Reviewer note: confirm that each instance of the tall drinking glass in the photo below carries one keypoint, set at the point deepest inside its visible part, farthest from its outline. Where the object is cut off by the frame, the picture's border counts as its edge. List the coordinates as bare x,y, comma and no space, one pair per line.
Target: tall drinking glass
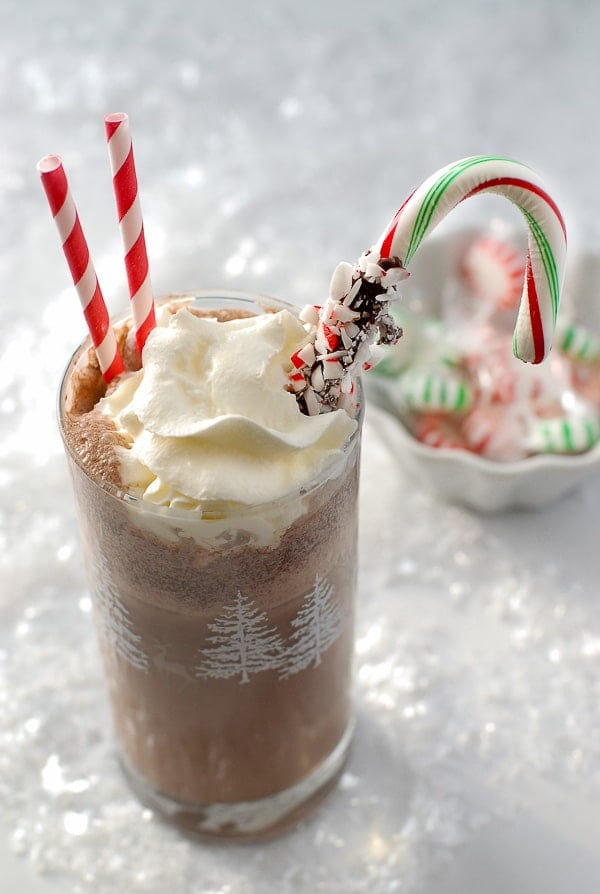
226,635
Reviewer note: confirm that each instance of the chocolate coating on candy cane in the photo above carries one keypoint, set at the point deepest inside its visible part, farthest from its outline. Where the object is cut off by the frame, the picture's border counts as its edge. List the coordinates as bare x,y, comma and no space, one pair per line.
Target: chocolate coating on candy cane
344,332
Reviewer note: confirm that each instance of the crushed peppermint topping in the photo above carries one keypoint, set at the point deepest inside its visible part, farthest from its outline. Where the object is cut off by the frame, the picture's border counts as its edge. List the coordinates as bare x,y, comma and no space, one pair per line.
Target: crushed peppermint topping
346,332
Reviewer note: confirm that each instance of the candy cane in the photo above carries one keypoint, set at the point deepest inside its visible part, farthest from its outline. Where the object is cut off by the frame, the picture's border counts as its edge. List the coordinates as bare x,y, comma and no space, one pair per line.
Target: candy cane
355,315
428,205
75,247
125,187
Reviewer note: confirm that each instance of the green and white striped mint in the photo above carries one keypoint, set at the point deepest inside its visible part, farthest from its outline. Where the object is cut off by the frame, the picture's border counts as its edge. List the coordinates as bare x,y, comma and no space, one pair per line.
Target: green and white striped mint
577,342
574,434
436,389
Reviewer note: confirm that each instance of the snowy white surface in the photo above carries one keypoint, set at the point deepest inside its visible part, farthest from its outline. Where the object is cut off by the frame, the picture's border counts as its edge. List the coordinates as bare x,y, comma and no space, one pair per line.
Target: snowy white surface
273,140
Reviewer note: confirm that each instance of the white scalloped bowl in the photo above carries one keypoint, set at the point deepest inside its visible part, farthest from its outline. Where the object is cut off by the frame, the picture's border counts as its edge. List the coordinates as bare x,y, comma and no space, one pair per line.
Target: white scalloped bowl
462,477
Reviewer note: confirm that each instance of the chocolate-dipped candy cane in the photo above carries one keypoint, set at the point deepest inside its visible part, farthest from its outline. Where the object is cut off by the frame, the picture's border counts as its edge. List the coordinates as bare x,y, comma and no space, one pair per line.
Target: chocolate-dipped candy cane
354,319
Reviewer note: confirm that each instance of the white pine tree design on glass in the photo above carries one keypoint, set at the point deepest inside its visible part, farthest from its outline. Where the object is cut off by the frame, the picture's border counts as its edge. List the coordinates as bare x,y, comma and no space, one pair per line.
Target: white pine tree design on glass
243,644
116,620
315,628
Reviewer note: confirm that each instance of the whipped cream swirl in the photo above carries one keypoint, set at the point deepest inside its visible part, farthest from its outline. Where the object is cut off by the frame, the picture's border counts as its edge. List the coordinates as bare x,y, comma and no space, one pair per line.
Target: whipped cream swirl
209,418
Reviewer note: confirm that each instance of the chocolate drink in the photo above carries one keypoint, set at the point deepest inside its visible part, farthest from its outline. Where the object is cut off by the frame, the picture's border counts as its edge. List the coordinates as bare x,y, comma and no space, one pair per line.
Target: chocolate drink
226,627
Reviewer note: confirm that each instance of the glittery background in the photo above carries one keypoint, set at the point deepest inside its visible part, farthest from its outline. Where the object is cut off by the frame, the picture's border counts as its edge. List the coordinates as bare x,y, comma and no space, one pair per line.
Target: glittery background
273,140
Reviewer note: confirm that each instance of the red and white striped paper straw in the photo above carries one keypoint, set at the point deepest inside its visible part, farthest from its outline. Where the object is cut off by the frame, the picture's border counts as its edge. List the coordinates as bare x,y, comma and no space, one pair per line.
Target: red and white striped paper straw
75,247
125,187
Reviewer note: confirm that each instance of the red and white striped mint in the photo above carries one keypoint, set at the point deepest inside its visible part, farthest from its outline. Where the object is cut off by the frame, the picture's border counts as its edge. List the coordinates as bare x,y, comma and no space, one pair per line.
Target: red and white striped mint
493,368
494,270
496,432
436,430
500,378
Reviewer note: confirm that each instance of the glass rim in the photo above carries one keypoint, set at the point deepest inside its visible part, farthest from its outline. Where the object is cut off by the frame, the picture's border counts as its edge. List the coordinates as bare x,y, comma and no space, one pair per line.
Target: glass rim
227,509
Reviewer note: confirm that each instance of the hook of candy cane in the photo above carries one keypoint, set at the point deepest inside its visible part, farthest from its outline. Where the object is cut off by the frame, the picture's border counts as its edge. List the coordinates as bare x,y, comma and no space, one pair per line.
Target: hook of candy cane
431,202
